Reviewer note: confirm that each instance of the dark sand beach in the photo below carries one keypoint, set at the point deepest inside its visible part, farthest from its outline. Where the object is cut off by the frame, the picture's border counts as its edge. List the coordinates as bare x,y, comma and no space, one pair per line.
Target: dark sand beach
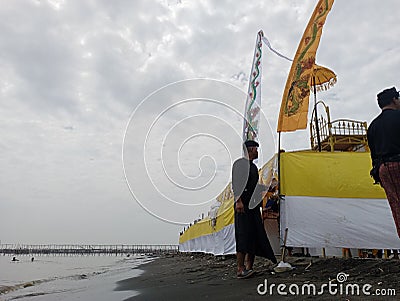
206,277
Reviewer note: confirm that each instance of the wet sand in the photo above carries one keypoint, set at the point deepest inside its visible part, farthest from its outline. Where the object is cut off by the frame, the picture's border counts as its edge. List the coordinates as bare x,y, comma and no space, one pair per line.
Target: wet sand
206,277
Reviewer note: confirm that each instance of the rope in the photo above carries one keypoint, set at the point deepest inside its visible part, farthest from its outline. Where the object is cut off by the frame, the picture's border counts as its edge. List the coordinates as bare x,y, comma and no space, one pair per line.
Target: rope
268,44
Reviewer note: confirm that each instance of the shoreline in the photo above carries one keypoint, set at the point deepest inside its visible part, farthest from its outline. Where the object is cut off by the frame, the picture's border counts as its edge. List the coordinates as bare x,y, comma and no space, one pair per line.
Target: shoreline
67,277
201,276
187,277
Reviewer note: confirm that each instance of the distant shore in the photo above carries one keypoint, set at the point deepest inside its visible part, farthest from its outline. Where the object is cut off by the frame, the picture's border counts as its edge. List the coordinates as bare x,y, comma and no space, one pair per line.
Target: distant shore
85,249
206,277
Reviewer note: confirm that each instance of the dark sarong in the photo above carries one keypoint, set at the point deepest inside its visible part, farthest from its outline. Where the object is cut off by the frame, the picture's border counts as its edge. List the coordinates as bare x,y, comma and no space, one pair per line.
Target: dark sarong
250,235
389,172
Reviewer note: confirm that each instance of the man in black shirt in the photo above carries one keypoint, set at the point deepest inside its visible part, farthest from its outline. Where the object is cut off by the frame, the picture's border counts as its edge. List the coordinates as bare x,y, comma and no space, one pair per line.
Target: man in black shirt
251,239
384,143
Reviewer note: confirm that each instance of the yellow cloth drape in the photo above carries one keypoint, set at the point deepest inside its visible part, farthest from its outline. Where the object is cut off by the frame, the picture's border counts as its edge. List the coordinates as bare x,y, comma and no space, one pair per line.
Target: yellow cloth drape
328,174
294,107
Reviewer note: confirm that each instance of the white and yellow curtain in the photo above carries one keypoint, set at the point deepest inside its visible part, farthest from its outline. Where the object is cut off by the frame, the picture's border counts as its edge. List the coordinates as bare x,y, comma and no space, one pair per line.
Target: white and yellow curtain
330,201
218,239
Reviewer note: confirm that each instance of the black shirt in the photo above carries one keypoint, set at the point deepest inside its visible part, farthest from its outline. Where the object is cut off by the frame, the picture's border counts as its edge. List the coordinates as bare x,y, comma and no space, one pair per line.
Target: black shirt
384,135
244,179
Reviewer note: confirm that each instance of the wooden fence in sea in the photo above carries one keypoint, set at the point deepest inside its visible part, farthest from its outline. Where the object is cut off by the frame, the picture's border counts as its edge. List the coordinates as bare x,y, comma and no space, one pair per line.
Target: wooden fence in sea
56,249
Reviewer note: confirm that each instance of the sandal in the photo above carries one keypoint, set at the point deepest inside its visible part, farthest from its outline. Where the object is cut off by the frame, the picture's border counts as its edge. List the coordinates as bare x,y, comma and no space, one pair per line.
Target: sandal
245,274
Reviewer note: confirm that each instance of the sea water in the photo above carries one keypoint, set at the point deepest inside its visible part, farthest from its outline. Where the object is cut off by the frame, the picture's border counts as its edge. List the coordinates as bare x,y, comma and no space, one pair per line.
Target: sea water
67,278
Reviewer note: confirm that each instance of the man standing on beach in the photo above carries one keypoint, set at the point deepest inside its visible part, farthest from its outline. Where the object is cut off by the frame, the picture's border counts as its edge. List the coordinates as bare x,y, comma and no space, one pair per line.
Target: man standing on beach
251,239
384,143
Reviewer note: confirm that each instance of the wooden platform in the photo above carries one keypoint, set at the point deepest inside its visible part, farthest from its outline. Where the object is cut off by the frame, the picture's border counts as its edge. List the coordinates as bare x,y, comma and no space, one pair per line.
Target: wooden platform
340,135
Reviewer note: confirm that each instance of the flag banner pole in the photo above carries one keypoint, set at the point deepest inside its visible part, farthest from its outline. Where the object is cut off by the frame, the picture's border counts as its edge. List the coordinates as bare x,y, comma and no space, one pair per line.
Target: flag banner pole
253,101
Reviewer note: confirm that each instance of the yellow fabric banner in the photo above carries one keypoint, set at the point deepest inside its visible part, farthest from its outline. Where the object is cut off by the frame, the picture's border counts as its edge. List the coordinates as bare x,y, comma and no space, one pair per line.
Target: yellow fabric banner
294,106
328,174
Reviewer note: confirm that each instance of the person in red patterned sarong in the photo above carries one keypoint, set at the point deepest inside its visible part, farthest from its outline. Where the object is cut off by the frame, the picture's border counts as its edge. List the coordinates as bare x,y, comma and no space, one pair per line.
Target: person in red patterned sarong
384,143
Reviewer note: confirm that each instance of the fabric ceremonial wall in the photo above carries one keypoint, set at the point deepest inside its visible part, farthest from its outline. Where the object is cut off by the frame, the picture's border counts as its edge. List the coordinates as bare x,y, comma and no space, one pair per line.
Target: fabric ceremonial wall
294,108
330,201
217,240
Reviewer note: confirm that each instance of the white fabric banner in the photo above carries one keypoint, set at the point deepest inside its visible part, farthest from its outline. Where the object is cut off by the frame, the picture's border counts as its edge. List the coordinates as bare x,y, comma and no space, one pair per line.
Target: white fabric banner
253,102
338,222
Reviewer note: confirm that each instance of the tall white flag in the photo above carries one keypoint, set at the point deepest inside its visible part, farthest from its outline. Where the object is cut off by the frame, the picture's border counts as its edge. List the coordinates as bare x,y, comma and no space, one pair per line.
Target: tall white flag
253,101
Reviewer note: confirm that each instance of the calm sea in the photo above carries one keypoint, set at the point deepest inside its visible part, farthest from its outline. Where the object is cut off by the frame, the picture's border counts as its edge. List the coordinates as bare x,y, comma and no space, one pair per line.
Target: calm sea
67,278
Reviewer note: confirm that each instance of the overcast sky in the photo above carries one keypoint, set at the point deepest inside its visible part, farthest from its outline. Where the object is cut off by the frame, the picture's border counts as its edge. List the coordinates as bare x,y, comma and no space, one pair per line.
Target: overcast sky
120,119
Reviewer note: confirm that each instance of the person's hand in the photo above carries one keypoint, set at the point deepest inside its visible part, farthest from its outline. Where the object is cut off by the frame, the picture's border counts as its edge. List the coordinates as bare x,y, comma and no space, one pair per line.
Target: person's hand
239,206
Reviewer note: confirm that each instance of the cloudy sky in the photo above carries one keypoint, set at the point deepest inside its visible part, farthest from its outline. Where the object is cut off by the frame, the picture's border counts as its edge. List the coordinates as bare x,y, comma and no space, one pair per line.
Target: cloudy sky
120,119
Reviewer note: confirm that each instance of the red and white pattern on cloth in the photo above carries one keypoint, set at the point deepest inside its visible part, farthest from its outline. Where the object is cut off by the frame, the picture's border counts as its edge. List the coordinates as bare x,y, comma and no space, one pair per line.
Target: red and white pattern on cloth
389,174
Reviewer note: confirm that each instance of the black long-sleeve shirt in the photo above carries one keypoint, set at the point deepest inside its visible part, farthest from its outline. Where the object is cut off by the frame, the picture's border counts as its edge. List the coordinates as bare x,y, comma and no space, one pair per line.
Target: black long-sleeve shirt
244,180
384,135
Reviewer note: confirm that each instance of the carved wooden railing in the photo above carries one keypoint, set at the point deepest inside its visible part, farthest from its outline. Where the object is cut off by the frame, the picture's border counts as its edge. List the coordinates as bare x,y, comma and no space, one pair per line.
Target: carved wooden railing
340,134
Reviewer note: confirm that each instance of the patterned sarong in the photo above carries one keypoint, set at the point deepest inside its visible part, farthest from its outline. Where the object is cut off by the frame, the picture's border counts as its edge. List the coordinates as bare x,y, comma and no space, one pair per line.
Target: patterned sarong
389,173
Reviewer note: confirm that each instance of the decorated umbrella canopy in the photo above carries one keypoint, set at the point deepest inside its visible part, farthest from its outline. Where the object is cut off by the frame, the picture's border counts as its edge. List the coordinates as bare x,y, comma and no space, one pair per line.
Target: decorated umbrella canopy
321,79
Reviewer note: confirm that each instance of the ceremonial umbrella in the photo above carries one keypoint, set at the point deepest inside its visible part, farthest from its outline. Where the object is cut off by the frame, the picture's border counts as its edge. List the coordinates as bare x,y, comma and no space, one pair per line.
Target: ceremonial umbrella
321,79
